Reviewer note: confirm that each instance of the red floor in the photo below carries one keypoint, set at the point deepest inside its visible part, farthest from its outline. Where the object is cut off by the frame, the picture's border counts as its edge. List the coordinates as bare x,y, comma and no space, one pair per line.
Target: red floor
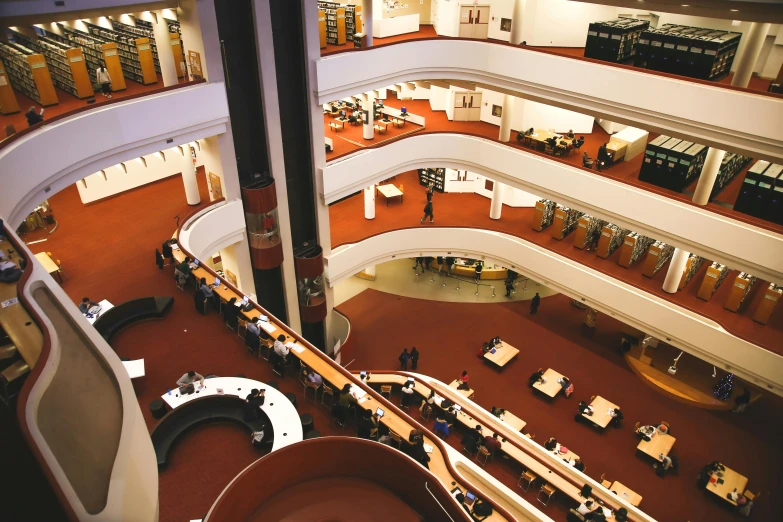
68,102
349,226
350,139
748,443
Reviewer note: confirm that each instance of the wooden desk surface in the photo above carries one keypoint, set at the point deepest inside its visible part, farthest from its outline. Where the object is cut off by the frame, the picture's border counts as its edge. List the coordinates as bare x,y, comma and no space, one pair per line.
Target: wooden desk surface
543,135
513,421
503,354
465,393
660,443
389,190
731,481
48,263
569,456
551,387
13,318
338,380
626,493
600,414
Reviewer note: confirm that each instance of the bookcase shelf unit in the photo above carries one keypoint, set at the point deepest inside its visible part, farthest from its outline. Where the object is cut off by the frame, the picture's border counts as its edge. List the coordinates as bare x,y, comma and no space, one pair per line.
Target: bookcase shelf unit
65,62
614,40
133,67
139,31
335,22
8,103
436,176
96,50
28,73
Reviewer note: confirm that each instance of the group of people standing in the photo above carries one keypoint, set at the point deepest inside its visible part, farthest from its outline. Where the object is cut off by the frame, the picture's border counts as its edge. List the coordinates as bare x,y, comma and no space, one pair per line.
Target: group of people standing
412,357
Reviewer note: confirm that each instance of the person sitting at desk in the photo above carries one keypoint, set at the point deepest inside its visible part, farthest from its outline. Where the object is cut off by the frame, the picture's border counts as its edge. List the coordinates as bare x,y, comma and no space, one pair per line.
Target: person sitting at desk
367,424
646,432
570,134
450,416
346,397
86,304
621,515
184,267
190,378
460,498
463,381
420,454
253,403
231,313
407,393
586,508
586,161
584,408
471,439
604,158
280,348
664,466
498,412
551,444
617,416
566,385
495,341
536,377
520,136
315,378
207,291
578,464
441,424
492,443
253,328
484,349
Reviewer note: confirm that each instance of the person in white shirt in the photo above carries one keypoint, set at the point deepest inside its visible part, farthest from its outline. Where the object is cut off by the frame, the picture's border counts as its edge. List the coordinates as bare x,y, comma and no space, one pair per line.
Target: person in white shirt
189,378
280,348
586,508
407,390
253,327
102,76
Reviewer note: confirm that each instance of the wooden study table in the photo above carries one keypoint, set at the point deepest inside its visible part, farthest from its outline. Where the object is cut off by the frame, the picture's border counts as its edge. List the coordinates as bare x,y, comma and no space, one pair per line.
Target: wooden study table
551,387
503,354
334,377
600,416
570,457
659,443
389,191
14,318
626,493
49,265
513,421
731,481
465,393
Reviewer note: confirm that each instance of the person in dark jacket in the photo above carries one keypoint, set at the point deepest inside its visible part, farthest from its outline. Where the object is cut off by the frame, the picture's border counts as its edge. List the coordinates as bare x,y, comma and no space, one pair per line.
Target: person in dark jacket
430,191
414,358
34,117
404,358
231,313
534,304
420,454
428,212
253,403
509,286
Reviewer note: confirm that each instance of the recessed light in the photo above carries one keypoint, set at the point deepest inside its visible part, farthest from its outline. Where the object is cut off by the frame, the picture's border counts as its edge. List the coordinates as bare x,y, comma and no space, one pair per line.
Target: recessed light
685,5
733,10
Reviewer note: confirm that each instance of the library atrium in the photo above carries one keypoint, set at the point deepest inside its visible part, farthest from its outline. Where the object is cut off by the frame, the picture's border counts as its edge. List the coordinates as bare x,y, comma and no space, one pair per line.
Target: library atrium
308,343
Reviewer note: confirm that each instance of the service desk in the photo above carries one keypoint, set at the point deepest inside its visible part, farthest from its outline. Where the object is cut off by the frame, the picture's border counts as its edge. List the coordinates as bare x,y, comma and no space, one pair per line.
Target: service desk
383,27
463,270
282,414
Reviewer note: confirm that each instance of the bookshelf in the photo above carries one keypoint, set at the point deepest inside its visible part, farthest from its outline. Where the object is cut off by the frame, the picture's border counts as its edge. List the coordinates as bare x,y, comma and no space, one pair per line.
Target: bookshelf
125,45
111,58
715,275
634,246
66,65
139,31
92,57
587,231
611,239
658,255
543,214
353,21
322,28
764,310
8,103
692,265
740,290
436,176
335,22
28,73
565,221
97,50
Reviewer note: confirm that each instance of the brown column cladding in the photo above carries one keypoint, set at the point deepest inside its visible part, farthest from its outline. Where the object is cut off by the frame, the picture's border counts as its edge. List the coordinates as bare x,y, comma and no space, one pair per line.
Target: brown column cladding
310,284
260,204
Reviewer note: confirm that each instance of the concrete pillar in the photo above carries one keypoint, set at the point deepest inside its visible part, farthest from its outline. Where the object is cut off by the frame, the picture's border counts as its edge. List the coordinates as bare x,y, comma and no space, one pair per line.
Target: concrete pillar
709,172
201,38
676,268
505,118
369,202
191,183
497,200
370,270
368,130
168,69
745,63
367,20
516,22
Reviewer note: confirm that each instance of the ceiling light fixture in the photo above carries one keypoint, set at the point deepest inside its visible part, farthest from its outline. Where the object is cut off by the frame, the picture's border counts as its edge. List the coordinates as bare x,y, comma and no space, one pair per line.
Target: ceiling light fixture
733,10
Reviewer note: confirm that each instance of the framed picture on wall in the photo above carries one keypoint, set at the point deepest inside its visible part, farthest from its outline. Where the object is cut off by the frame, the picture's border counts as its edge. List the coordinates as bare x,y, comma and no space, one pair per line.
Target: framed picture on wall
505,24
497,110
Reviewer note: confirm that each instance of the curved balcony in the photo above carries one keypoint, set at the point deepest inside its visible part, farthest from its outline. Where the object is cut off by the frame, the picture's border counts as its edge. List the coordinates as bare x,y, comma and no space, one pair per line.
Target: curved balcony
213,227
77,408
579,276
737,244
739,120
80,143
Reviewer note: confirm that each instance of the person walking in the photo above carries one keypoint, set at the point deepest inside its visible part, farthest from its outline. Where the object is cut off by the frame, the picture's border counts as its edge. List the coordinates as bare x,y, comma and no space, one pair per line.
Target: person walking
102,76
428,212
430,191
534,304
479,268
404,358
509,286
414,358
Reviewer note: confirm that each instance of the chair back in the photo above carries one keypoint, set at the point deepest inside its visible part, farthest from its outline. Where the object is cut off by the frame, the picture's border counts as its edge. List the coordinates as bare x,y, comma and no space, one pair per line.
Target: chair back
636,426
592,398
328,390
664,423
395,437
401,188
386,388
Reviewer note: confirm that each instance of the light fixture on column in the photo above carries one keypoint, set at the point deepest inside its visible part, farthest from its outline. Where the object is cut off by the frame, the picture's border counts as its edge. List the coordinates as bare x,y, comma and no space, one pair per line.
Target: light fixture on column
161,155
124,168
103,173
142,161
181,150
714,371
673,367
197,145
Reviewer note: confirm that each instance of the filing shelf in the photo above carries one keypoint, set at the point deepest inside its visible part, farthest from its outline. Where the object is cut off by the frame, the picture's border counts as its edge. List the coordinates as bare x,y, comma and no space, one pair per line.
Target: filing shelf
92,56
614,40
436,176
8,103
66,64
335,22
761,194
28,73
99,49
139,31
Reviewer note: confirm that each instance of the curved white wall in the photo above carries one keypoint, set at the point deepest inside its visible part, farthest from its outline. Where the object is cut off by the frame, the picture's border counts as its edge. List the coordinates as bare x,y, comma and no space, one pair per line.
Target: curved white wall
214,229
737,244
56,155
678,326
734,120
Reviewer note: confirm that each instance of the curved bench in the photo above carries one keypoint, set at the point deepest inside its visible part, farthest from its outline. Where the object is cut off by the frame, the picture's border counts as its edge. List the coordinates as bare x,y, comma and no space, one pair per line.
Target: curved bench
194,413
129,312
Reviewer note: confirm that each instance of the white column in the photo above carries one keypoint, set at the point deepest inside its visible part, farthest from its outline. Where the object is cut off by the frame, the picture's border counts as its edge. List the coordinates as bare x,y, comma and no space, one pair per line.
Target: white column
745,63
497,200
676,268
709,173
370,270
367,20
369,202
168,69
516,22
368,131
505,118
191,183
200,38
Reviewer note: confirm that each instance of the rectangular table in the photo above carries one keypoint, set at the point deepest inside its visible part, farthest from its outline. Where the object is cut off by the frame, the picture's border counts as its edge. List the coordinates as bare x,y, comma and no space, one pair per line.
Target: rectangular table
626,493
503,354
731,481
49,265
513,421
659,443
569,457
600,416
551,387
389,191
465,393
134,368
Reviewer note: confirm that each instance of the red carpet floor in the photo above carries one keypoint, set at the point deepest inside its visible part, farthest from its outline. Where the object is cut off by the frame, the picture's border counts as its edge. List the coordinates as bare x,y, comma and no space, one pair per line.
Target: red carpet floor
748,443
69,102
461,209
350,139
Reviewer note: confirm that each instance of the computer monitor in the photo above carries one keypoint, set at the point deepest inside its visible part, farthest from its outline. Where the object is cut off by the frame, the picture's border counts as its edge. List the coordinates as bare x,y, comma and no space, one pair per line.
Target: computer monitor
217,281
245,299
457,407
362,374
403,110
379,412
342,113
469,498
410,379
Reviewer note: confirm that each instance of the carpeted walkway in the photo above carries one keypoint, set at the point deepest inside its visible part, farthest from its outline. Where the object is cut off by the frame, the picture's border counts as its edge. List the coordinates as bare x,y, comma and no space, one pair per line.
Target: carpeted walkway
748,443
471,210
